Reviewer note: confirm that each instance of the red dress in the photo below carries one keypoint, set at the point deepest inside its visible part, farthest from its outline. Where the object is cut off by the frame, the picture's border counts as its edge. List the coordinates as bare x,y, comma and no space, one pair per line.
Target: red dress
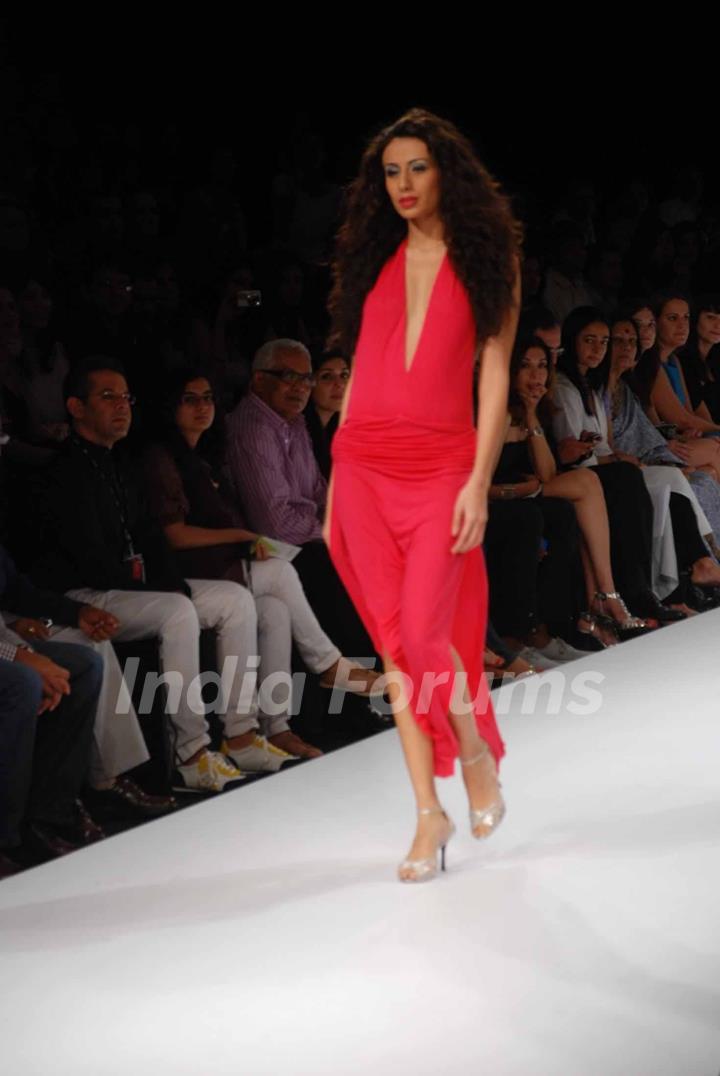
400,458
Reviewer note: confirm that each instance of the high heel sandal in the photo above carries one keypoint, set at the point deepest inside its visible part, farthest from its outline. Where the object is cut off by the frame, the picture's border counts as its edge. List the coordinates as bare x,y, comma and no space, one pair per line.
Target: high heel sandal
423,870
598,629
629,623
491,816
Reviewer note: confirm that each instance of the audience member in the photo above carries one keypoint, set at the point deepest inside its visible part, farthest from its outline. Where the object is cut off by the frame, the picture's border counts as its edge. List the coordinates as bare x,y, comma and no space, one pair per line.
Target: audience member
101,548
183,476
48,696
322,414
700,357
118,744
279,486
581,429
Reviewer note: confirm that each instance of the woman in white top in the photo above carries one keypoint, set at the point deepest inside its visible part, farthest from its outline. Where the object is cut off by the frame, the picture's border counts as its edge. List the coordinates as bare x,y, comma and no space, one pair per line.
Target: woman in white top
641,539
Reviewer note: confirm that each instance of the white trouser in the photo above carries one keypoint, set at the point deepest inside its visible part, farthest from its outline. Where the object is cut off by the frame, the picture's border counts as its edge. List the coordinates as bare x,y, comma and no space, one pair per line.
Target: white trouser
255,633
660,483
176,622
284,615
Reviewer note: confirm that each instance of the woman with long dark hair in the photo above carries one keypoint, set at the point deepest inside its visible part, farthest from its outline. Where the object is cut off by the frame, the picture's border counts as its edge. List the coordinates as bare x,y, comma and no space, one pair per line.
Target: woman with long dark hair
581,419
633,432
322,414
426,281
183,472
526,451
660,381
701,356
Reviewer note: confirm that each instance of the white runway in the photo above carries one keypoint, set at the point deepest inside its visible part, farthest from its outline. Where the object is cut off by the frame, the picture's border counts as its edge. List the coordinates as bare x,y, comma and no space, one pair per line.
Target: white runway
264,931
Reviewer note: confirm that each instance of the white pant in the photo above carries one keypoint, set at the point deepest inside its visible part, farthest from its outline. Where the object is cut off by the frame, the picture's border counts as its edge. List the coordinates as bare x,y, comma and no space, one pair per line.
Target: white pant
660,483
255,633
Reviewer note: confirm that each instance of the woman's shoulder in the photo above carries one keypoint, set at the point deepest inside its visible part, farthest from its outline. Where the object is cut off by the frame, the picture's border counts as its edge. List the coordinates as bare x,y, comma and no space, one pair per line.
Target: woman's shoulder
563,383
157,452
158,462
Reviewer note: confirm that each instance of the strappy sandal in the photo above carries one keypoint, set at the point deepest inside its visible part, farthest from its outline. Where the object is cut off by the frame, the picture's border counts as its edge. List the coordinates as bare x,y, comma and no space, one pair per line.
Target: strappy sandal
629,626
598,629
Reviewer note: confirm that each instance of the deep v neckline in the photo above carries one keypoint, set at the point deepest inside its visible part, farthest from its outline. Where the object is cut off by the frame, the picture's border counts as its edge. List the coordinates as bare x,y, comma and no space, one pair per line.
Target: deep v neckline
408,368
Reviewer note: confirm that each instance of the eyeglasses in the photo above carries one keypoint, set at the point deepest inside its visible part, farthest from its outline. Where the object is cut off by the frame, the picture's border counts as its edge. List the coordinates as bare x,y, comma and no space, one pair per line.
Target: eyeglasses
292,377
192,399
333,375
556,351
624,341
115,397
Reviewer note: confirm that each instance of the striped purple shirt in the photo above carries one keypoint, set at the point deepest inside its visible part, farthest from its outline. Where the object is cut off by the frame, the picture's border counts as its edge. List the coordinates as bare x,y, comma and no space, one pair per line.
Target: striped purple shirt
9,642
274,472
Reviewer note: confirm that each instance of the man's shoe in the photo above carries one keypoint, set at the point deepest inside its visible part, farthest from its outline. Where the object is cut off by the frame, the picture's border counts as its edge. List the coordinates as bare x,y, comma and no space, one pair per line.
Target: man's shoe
124,797
85,830
212,772
646,605
258,757
42,843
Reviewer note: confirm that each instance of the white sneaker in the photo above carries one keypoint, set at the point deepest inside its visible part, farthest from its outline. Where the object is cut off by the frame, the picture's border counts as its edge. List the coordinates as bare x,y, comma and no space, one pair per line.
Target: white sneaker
210,773
560,651
537,659
258,757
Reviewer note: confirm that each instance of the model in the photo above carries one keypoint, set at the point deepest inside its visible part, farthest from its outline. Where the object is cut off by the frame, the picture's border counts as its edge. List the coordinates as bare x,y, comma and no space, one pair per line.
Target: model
425,284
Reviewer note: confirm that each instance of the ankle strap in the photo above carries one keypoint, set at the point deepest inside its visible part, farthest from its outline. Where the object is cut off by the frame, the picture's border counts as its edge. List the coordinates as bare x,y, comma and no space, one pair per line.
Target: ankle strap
431,810
470,761
612,595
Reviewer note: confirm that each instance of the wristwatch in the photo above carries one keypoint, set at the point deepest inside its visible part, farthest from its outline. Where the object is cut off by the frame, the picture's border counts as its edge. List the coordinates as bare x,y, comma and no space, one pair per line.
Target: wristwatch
536,431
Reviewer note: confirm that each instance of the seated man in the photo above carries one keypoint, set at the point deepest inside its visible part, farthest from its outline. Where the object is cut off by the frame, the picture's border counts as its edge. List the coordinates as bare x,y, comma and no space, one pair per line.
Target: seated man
118,743
98,546
278,483
541,322
48,697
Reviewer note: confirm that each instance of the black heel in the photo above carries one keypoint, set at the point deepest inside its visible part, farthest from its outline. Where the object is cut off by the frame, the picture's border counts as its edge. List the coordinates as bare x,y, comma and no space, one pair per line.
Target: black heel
442,858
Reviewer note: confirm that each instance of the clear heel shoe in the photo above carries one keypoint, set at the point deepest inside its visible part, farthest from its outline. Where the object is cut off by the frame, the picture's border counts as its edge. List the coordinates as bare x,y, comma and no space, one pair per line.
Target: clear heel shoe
489,817
423,870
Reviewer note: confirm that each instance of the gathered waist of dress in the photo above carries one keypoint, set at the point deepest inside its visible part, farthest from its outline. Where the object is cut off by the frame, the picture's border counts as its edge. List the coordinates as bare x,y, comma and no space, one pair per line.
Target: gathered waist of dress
405,447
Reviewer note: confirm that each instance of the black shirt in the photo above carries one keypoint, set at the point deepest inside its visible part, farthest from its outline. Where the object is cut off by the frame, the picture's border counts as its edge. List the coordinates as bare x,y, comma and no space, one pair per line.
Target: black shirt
89,518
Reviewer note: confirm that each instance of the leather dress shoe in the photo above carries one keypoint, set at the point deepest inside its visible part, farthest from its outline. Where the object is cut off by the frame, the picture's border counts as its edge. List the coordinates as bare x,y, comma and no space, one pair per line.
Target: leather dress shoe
702,596
41,843
124,797
86,830
646,605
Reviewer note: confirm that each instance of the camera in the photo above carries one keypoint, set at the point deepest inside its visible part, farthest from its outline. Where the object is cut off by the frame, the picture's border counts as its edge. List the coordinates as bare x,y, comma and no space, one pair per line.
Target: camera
248,299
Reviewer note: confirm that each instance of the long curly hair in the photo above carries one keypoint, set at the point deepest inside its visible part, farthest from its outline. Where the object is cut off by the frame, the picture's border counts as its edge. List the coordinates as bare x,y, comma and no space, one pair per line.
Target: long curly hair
482,236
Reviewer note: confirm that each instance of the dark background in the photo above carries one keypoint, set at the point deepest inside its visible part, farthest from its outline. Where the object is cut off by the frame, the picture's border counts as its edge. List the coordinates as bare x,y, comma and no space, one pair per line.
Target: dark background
539,108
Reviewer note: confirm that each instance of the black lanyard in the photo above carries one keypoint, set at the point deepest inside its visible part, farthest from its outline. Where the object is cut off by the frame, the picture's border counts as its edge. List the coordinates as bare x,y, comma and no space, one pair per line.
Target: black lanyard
116,489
